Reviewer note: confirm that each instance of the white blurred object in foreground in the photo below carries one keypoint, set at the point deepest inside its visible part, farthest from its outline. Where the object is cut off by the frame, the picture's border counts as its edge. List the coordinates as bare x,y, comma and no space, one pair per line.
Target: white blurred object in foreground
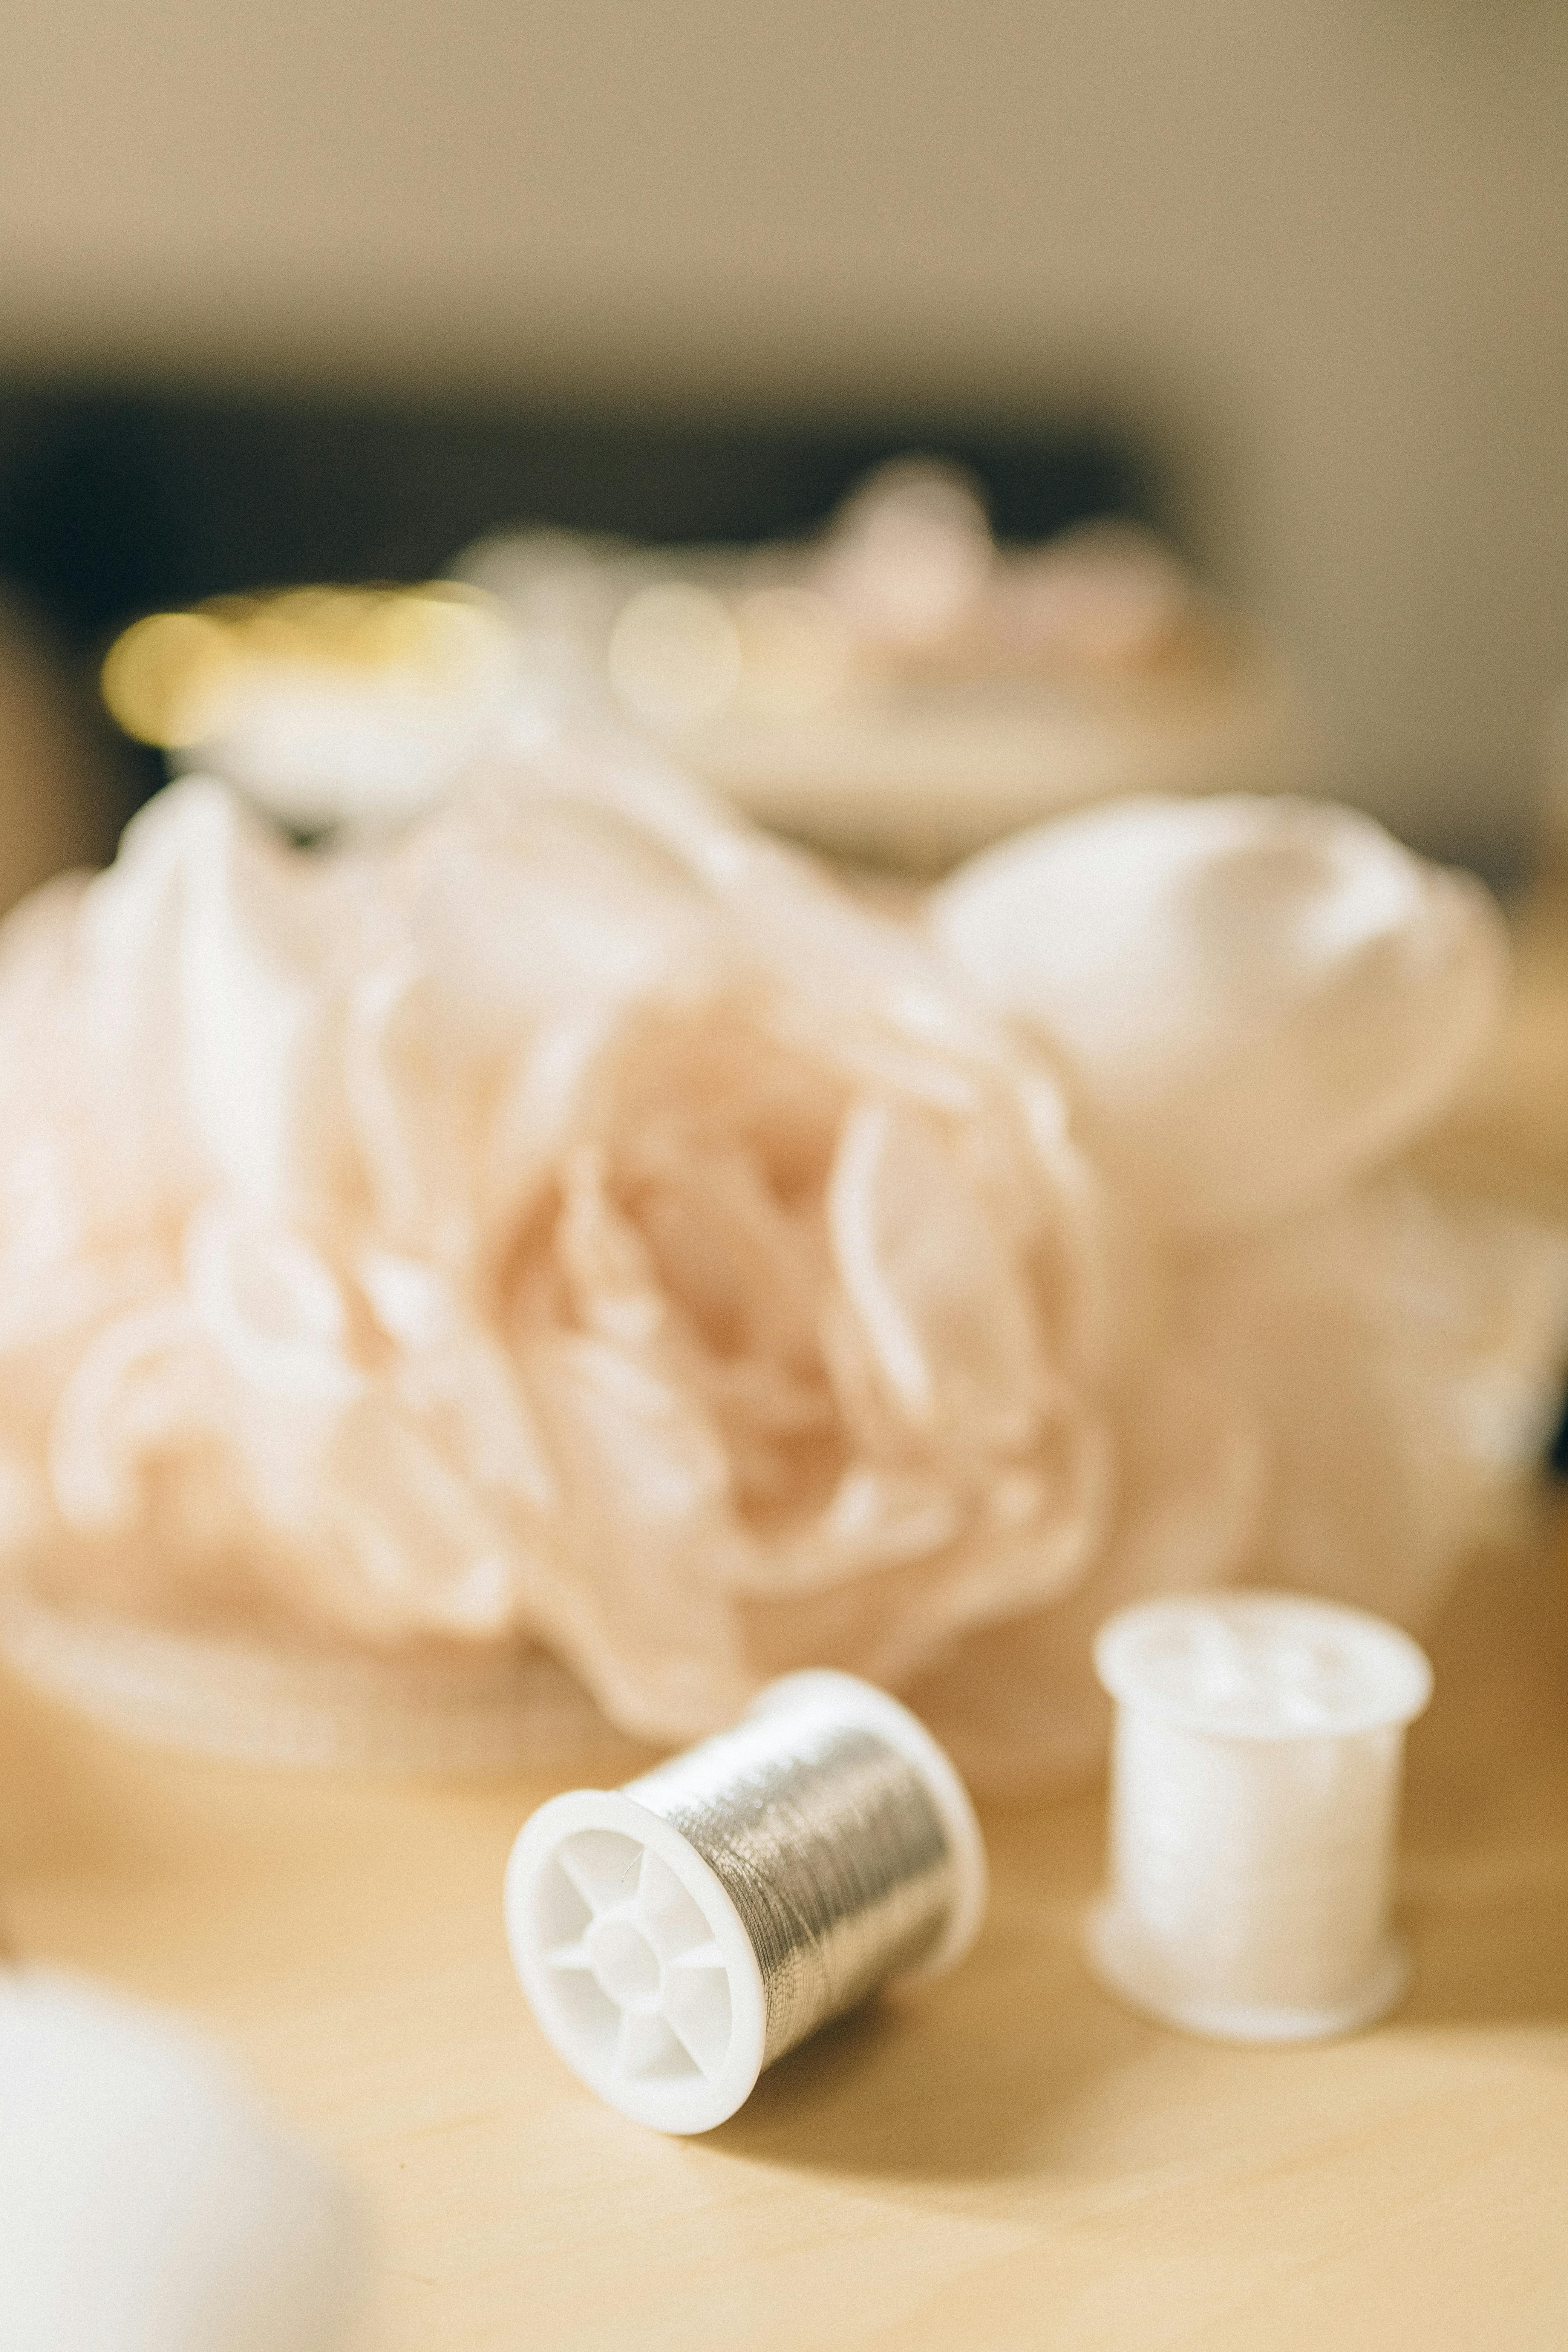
147,2204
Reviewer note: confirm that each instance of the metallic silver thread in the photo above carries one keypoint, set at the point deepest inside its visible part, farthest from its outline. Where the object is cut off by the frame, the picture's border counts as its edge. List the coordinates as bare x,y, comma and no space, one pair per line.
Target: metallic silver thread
826,1842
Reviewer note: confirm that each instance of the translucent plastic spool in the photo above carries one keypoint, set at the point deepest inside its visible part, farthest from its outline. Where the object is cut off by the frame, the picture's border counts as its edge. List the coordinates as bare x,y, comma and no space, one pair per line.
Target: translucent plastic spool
1255,1798
676,1936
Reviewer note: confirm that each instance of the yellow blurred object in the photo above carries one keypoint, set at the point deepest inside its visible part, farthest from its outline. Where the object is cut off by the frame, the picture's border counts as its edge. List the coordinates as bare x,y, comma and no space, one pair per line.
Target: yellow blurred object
162,674
321,703
174,678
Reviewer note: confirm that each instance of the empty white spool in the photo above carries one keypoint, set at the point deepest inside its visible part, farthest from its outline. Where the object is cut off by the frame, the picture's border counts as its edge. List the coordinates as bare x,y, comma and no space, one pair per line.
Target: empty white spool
1255,1799
636,1959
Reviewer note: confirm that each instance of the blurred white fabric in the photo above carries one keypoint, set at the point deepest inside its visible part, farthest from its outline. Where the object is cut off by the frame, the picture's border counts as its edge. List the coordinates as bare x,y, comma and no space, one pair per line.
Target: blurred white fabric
147,2203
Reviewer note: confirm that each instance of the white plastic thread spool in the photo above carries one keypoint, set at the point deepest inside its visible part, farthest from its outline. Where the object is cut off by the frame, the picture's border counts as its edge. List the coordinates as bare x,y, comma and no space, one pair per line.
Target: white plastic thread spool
676,1936
1255,1799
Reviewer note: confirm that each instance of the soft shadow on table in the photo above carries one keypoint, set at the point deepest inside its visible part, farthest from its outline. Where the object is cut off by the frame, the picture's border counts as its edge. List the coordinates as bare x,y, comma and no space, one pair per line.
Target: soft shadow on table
1485,1828
976,2076
1500,1959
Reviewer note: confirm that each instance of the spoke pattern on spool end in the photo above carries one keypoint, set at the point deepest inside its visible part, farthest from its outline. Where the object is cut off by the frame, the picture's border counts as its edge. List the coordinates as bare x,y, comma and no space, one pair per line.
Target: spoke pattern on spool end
642,1968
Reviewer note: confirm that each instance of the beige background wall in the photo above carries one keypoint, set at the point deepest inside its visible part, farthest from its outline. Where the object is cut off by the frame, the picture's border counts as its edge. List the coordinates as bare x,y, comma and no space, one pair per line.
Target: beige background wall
1321,252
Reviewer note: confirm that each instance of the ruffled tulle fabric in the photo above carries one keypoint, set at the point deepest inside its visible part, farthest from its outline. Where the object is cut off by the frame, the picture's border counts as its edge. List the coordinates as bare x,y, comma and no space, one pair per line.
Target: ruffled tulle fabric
579,1224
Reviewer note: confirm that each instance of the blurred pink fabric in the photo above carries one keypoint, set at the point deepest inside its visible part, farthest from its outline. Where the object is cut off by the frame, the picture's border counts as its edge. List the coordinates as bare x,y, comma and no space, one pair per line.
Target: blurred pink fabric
579,1220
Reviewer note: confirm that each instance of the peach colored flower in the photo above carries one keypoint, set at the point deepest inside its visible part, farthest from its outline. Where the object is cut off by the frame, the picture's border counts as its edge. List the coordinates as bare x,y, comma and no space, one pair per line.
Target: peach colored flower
578,1221
512,1233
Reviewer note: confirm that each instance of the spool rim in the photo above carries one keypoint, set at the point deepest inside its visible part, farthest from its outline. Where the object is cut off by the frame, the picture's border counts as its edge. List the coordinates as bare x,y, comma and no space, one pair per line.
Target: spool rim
695,2099
1116,1957
1121,1661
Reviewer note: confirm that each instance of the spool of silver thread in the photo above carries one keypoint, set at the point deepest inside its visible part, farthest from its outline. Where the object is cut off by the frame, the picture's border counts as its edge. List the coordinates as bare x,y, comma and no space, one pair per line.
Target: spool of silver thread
677,1935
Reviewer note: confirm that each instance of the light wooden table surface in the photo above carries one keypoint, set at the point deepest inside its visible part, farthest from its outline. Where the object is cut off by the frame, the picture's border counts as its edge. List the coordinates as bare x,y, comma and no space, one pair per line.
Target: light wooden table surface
1004,2159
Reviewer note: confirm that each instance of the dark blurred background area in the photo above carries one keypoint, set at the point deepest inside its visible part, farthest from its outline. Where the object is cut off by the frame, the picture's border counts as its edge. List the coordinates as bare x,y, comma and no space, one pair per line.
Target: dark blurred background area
120,500
116,500
298,294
